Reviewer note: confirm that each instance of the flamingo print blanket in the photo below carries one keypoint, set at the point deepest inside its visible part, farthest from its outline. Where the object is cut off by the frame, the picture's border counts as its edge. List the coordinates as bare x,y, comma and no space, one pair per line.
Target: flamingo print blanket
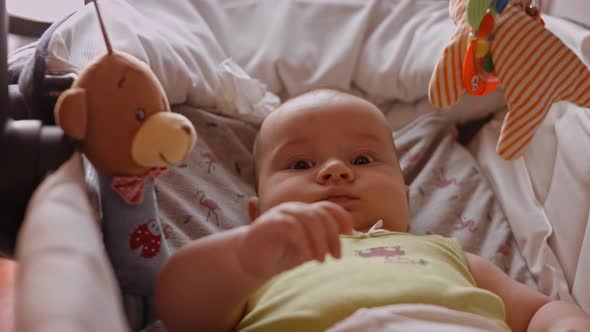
449,194
208,193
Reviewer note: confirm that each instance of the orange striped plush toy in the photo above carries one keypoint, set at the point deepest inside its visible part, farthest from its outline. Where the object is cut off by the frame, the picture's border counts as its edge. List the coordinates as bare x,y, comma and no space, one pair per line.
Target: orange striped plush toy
498,42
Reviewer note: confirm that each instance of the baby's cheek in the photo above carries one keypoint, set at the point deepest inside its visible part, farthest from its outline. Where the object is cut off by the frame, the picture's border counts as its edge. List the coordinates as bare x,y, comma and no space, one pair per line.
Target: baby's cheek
390,194
286,190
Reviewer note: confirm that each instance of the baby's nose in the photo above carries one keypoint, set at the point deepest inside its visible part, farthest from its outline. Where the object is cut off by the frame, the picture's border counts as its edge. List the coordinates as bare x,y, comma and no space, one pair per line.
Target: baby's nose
335,171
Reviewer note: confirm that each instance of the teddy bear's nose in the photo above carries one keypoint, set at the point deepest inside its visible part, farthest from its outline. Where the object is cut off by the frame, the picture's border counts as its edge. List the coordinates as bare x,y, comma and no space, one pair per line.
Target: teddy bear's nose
186,129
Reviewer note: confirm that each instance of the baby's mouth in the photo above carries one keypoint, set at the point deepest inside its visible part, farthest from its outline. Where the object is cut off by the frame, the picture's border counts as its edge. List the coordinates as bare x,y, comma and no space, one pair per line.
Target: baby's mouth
346,201
339,199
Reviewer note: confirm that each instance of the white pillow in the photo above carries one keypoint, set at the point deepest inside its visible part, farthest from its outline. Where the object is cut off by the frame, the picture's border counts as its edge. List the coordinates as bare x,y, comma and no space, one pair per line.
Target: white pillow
170,36
384,49
575,10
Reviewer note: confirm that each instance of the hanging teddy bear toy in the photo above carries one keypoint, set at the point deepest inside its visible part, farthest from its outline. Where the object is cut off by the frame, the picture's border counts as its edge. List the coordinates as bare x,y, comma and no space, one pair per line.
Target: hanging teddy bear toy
505,42
118,112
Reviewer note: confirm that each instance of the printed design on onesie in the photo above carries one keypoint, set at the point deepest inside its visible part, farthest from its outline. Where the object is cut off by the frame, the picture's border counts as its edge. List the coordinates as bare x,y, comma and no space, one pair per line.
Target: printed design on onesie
148,237
392,254
381,252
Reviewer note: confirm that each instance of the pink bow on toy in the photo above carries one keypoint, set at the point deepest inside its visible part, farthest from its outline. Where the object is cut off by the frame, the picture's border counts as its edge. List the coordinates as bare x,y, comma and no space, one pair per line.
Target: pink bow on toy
130,188
534,67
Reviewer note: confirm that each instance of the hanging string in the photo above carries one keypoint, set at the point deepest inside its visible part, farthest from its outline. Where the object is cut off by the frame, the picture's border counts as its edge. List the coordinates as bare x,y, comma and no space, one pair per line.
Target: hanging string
102,28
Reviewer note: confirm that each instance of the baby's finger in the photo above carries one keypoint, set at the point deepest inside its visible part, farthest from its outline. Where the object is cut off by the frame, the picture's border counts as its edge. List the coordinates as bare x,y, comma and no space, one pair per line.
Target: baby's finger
299,248
314,230
343,217
332,232
317,234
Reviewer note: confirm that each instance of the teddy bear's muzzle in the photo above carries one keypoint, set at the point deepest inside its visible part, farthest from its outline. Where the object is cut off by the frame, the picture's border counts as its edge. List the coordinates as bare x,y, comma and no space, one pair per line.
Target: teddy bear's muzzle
164,139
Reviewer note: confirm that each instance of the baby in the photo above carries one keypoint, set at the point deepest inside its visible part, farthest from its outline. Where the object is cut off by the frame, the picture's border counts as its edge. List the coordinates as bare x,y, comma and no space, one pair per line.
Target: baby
327,169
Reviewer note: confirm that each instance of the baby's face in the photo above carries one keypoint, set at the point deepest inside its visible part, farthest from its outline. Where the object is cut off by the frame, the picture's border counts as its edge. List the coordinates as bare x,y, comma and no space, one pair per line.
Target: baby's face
331,146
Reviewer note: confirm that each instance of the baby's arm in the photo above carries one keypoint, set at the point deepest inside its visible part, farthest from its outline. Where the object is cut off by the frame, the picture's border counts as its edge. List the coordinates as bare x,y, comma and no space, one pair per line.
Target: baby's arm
205,285
526,309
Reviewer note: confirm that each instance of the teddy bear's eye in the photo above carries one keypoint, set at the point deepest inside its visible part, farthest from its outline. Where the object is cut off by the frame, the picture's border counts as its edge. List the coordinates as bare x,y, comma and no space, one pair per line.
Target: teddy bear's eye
140,114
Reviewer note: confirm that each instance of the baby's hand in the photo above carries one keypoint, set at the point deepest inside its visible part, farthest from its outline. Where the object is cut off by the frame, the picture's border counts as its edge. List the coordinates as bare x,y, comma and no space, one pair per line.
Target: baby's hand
292,233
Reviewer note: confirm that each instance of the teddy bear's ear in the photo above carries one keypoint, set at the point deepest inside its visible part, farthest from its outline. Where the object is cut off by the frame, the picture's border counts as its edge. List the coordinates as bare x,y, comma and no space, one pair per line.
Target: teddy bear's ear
71,112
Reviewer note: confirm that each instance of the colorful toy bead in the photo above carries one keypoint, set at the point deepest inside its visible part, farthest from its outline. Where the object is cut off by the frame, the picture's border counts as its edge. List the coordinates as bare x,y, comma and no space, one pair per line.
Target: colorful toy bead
482,48
488,64
476,9
501,5
487,25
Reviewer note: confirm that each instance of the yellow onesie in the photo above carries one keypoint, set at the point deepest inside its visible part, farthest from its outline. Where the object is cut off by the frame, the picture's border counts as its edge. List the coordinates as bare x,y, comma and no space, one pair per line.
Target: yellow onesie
375,270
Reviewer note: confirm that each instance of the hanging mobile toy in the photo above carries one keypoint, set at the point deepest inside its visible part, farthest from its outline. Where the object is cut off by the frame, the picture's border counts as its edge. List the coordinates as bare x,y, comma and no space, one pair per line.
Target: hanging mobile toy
479,77
502,42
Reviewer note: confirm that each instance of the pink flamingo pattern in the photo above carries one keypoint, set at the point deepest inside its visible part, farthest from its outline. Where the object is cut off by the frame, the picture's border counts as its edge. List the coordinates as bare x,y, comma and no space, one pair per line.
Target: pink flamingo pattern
414,157
504,248
411,159
209,204
210,160
440,181
168,230
447,182
470,225
444,182
503,252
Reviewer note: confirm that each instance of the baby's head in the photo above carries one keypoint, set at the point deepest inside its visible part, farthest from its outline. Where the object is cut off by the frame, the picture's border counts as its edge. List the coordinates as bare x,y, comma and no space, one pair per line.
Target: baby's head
331,145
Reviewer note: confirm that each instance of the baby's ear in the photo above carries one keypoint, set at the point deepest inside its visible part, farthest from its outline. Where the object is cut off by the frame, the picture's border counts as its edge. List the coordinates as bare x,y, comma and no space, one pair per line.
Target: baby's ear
253,210
71,113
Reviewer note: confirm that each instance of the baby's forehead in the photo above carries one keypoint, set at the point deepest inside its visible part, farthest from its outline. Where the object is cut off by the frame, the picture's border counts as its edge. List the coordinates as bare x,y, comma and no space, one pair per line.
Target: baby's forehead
322,98
301,123
315,107
319,97
323,104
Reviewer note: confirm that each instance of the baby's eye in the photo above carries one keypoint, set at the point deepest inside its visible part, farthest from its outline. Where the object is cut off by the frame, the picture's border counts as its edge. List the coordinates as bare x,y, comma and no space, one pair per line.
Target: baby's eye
362,160
301,164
